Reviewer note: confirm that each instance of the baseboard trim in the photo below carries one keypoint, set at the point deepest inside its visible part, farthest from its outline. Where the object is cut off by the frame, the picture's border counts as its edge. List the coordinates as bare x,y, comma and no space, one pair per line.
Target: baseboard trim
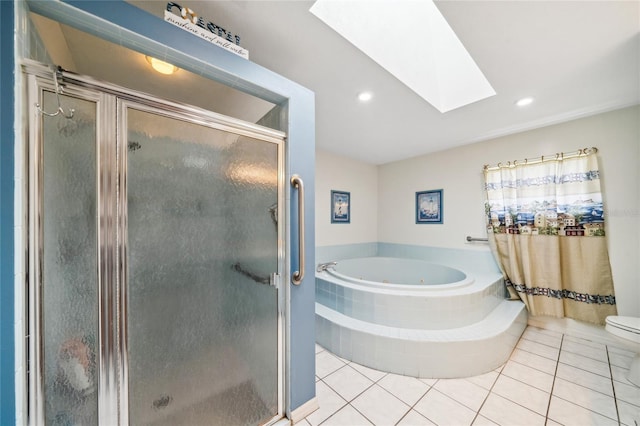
304,410
575,328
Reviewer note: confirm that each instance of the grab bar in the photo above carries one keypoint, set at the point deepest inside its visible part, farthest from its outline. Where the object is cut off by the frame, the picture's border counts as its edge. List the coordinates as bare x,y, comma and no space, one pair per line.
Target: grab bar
298,275
470,239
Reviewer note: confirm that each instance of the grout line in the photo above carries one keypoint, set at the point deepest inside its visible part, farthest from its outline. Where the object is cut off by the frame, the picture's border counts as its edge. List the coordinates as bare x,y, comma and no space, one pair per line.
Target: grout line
489,393
613,386
339,408
411,407
363,391
361,413
592,390
555,373
517,380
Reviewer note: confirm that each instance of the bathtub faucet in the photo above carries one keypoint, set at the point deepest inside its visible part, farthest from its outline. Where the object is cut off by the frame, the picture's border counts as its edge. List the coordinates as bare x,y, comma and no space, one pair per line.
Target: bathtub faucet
324,266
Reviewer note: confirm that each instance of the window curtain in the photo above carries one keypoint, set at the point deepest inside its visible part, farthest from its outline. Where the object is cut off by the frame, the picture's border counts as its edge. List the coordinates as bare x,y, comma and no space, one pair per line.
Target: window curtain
546,230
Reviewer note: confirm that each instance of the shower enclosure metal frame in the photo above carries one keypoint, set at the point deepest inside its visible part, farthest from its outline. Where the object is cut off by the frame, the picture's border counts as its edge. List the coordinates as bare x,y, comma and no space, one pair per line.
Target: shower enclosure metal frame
111,250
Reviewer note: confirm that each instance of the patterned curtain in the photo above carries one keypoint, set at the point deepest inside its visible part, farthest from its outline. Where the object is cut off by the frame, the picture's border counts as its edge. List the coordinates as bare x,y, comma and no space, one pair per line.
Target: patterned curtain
546,230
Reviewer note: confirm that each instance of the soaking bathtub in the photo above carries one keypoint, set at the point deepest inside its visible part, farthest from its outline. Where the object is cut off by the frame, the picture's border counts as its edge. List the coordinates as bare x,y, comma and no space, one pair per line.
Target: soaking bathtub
417,318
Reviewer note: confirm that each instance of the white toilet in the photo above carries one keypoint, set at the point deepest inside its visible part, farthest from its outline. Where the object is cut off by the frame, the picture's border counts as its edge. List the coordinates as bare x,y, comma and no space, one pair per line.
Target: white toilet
627,328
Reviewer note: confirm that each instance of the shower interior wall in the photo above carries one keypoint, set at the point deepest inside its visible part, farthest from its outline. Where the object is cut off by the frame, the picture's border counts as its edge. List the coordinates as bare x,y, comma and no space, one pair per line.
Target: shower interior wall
109,20
388,192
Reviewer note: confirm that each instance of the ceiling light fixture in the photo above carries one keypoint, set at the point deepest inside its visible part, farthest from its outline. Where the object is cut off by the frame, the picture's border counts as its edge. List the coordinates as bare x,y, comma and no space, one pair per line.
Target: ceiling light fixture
161,66
365,96
524,102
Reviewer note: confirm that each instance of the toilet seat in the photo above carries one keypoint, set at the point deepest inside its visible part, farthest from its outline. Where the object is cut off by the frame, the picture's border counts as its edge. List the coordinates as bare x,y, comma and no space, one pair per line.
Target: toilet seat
626,324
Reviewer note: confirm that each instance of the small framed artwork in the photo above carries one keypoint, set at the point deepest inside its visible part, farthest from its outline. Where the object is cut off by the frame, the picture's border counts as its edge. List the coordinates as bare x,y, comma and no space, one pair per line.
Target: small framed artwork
340,207
429,206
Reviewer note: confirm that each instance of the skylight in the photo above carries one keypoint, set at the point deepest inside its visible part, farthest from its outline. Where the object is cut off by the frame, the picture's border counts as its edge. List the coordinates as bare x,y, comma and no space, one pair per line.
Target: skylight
412,40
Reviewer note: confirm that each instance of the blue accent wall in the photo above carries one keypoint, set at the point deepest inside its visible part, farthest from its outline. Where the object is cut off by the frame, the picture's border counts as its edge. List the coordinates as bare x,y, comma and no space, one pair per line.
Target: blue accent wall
7,221
124,24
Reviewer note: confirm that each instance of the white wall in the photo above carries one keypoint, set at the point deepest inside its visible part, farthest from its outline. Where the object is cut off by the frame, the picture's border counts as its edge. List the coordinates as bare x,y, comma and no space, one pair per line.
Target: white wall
334,172
459,172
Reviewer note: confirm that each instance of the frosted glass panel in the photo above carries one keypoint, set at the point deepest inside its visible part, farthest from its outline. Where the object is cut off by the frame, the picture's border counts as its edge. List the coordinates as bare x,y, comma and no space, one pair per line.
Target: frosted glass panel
70,289
202,245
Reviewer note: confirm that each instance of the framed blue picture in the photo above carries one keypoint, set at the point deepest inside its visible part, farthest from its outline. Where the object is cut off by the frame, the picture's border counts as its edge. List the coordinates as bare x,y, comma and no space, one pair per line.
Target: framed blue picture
429,206
340,207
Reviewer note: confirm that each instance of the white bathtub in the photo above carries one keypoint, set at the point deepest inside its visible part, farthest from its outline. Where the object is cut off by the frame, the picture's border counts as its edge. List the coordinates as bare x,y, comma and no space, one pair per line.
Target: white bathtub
417,318
383,272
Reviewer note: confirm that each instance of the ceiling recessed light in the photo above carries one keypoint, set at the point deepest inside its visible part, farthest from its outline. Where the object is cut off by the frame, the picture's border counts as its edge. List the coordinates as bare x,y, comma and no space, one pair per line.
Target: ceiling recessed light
427,46
161,66
524,102
365,96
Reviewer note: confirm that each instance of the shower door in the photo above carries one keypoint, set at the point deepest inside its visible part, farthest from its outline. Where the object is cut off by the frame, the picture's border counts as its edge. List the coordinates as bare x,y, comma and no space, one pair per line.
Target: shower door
155,262
202,332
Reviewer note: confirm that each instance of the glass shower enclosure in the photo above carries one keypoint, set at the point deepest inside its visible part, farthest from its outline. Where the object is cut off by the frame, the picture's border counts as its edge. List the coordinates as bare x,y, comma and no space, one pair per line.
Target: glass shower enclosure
156,257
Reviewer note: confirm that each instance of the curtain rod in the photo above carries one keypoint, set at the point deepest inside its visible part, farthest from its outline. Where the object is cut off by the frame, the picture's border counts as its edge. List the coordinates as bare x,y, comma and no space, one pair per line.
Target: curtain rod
556,157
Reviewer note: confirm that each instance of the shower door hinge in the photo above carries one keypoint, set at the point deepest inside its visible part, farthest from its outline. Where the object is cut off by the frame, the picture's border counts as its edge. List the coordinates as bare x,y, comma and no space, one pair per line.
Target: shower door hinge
274,280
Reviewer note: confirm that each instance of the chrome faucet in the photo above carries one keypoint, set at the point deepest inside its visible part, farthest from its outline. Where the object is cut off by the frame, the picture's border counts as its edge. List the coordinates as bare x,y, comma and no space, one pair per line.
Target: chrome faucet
324,266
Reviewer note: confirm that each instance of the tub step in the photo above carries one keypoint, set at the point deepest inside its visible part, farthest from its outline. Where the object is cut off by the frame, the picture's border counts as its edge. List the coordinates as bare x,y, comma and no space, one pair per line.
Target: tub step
446,353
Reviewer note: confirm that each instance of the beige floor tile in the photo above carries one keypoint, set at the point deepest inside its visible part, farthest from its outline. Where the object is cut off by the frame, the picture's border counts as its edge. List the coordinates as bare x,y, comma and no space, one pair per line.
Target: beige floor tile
469,394
483,421
442,410
347,416
379,406
408,389
619,350
521,393
534,361
620,360
594,351
327,363
583,342
372,374
429,382
539,349
629,413
584,378
545,331
620,374
504,412
531,376
587,398
484,380
329,402
413,418
569,414
585,363
348,382
546,339
627,392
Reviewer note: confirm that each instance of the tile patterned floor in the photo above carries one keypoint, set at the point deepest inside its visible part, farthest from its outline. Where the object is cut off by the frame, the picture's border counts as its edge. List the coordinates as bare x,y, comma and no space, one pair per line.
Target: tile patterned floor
550,379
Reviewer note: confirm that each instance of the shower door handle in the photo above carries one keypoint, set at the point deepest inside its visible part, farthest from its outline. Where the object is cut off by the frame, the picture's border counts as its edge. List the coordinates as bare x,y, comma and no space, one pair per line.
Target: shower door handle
298,275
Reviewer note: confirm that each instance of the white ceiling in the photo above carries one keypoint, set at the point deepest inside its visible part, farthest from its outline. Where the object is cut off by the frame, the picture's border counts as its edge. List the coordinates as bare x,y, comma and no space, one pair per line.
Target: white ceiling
576,58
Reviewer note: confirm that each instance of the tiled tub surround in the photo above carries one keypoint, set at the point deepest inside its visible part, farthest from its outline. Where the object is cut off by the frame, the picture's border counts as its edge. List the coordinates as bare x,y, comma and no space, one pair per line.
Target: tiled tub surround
426,307
444,331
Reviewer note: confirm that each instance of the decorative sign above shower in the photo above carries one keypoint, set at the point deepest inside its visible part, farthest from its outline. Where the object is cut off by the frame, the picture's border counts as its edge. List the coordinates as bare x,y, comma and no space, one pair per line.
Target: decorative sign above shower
196,25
